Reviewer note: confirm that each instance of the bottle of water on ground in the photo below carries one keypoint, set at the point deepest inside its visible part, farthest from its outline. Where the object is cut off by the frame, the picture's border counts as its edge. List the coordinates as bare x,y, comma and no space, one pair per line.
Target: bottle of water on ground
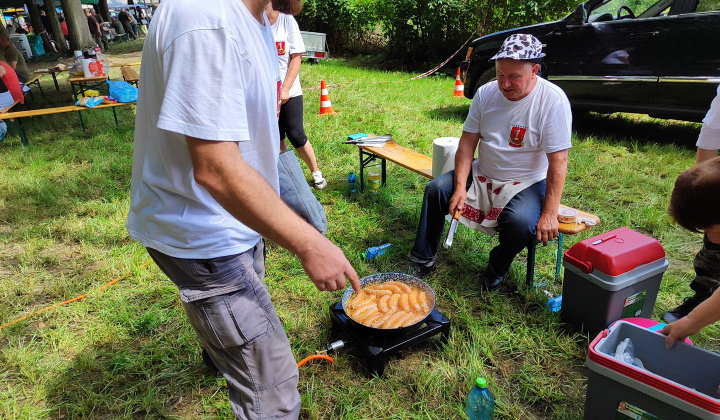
375,251
480,402
352,181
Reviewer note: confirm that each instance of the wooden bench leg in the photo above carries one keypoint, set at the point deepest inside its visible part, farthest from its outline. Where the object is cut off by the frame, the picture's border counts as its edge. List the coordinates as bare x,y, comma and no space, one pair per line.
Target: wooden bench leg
82,123
530,273
18,127
365,159
559,256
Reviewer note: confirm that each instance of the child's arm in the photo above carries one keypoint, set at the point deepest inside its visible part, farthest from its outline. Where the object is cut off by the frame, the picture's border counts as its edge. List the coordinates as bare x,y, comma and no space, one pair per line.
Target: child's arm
705,314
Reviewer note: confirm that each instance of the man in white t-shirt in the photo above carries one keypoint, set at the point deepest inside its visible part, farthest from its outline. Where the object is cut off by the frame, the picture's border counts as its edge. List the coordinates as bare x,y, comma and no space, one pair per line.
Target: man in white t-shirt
521,127
204,191
707,261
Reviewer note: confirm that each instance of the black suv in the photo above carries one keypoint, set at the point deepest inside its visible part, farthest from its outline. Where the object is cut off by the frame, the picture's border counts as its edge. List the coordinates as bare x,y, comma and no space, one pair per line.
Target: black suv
661,59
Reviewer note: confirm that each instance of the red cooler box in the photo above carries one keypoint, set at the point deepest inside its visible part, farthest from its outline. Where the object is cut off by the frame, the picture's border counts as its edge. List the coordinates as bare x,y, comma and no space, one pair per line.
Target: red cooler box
611,276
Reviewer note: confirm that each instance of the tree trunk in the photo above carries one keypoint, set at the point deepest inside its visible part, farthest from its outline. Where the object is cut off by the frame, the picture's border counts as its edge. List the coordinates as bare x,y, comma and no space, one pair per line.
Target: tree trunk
56,28
104,10
37,25
78,30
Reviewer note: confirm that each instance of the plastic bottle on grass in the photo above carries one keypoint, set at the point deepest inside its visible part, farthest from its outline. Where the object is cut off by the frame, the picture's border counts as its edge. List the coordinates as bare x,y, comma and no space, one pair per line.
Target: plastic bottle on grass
375,251
352,181
480,402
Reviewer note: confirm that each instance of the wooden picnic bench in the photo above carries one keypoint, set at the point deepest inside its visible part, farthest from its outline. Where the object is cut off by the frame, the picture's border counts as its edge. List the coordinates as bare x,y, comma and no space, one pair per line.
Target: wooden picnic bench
422,164
130,75
16,118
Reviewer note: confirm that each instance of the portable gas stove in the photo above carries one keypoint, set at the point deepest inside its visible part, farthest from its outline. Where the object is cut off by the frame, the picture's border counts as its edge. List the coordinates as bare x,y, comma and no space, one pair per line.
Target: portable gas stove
378,349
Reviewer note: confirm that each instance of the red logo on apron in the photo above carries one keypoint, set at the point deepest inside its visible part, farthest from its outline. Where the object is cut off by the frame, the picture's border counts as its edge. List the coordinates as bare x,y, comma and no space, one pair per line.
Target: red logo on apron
516,136
280,47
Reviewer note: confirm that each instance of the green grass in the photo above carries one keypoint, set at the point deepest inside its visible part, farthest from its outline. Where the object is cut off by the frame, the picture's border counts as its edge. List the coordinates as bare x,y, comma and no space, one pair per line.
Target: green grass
128,352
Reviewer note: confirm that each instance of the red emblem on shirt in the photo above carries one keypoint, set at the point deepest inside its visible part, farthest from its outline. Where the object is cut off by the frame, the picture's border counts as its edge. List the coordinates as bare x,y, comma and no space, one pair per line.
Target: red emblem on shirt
516,136
280,47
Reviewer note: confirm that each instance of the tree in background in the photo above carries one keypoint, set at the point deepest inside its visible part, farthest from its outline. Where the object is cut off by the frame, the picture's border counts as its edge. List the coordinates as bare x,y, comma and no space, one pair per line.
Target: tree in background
104,10
37,25
78,31
418,32
56,29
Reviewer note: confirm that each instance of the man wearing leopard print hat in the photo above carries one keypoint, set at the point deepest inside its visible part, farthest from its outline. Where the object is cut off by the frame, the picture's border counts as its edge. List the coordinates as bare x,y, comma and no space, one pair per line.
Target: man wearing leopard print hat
520,126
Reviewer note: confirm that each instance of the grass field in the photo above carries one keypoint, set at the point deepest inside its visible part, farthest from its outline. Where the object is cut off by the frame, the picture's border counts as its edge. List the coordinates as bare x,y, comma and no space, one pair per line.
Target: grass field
127,351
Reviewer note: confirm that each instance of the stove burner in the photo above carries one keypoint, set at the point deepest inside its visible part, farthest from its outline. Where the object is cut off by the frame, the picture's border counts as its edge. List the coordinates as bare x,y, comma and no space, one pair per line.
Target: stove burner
378,349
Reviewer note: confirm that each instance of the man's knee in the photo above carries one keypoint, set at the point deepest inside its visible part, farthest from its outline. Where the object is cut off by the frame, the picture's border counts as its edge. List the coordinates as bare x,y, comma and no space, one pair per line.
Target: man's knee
440,188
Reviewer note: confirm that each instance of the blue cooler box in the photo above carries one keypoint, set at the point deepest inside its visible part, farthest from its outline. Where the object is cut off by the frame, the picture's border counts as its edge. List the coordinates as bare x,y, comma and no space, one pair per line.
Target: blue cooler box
677,383
611,276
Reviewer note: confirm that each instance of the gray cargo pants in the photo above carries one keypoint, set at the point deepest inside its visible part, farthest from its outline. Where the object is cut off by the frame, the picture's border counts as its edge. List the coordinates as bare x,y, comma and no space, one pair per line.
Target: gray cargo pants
707,269
229,307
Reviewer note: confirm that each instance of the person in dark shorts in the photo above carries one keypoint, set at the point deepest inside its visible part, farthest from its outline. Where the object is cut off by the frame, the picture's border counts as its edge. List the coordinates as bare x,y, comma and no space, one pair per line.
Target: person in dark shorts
290,48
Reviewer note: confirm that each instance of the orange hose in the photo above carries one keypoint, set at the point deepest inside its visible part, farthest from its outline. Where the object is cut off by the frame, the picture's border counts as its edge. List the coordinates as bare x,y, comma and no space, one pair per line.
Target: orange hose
69,300
315,356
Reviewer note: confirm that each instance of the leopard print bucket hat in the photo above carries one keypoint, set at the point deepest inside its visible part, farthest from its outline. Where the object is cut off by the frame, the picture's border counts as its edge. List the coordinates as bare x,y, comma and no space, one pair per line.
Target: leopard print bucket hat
520,47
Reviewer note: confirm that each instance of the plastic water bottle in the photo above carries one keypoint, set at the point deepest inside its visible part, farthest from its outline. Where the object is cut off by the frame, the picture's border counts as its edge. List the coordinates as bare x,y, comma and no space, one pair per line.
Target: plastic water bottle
375,251
480,402
352,180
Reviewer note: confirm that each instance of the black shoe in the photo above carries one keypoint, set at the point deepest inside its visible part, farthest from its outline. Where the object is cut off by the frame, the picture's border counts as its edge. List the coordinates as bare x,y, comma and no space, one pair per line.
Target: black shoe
422,270
689,303
208,361
490,281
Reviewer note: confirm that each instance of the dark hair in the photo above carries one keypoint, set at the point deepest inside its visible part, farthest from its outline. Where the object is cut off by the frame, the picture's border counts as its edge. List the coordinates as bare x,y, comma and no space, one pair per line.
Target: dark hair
695,200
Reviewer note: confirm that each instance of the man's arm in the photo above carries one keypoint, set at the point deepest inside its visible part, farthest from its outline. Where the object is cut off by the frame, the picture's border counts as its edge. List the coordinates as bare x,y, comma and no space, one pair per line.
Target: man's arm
220,168
704,154
463,165
547,228
292,72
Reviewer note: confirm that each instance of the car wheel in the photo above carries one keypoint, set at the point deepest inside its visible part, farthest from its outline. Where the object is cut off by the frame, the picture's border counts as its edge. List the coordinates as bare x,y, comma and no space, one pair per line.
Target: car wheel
487,76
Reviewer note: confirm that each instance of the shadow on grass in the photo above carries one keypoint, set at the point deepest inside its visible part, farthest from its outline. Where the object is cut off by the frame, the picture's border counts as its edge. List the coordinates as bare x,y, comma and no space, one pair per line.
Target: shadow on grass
636,127
455,113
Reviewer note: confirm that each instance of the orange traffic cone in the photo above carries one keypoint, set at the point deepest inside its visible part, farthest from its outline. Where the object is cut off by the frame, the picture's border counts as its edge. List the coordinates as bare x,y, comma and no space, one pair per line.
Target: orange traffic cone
459,87
325,104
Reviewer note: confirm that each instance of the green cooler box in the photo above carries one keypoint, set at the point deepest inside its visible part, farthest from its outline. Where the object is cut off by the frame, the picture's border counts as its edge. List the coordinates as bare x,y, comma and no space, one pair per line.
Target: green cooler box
611,276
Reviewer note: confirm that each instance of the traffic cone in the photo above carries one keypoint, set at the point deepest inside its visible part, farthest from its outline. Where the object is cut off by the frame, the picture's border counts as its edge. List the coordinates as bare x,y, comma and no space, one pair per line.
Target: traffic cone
325,104
459,87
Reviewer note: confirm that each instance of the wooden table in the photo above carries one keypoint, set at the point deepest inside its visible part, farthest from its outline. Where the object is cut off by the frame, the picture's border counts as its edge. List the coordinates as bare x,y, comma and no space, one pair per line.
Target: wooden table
53,73
83,84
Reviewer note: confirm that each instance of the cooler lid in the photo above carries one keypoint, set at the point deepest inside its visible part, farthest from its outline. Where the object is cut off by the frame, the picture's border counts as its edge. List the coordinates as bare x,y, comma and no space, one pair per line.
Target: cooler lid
615,252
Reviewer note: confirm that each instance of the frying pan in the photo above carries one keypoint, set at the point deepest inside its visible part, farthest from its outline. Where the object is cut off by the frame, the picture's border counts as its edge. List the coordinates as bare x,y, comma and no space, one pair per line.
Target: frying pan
382,278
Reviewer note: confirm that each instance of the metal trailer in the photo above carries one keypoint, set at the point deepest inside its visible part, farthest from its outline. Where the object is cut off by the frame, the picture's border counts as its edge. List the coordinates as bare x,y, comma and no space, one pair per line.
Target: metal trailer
315,46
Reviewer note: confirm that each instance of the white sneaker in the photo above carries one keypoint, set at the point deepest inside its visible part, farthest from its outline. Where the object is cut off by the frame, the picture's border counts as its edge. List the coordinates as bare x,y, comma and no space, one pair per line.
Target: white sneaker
320,182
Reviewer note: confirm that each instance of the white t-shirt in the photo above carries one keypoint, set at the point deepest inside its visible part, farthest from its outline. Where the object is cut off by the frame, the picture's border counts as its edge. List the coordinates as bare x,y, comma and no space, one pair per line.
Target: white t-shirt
288,41
515,136
208,72
710,132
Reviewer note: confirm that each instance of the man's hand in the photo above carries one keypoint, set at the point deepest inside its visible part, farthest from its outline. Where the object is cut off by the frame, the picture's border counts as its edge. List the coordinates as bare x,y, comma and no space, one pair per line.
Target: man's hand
327,267
458,199
547,228
678,331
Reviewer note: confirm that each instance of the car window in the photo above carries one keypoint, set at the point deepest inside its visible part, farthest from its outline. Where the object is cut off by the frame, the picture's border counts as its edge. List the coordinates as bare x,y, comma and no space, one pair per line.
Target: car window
640,8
